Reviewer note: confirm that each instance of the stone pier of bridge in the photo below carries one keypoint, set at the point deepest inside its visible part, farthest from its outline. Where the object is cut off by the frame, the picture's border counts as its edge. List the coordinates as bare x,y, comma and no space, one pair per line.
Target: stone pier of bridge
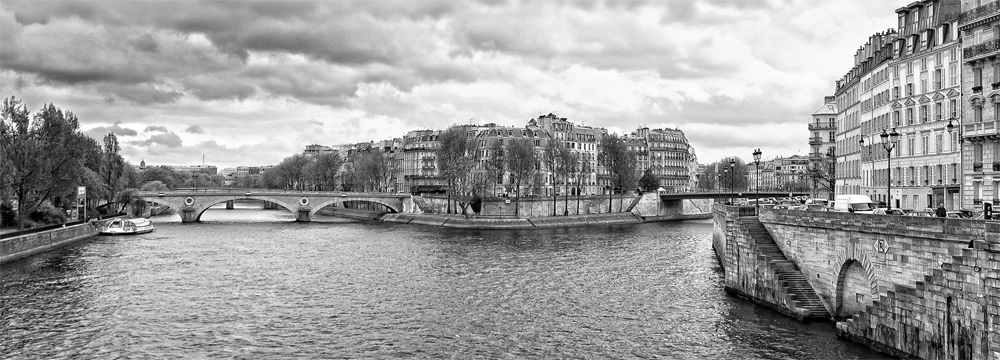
912,287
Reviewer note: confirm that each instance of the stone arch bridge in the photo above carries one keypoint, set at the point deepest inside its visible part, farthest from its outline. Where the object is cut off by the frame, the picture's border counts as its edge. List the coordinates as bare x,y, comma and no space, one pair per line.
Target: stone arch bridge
304,204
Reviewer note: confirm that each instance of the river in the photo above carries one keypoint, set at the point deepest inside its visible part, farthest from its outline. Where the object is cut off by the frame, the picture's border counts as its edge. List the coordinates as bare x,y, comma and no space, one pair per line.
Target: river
249,283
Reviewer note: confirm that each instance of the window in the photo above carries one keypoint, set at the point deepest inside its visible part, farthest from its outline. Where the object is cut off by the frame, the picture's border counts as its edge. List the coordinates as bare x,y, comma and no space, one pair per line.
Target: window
977,153
977,113
923,113
937,79
924,144
954,108
923,86
895,118
977,78
895,92
938,111
909,89
938,143
952,73
909,116
909,145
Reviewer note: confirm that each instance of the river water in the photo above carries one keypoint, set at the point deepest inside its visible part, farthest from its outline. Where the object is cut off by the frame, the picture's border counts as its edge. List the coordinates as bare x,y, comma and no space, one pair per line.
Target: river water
249,283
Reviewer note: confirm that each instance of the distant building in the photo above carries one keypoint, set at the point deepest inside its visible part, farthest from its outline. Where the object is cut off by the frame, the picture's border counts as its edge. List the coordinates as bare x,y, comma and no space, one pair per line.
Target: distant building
822,144
314,149
195,169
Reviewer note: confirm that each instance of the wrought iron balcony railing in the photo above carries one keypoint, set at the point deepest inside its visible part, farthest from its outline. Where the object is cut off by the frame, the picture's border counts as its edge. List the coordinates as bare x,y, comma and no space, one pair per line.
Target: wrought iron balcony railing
977,166
822,126
987,47
979,12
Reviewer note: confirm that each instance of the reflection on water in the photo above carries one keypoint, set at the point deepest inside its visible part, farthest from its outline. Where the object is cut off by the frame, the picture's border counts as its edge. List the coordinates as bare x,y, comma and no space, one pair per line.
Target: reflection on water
249,283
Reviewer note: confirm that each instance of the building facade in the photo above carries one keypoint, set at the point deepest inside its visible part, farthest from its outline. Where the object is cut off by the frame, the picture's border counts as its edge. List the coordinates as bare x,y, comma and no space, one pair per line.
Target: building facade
926,94
822,147
979,24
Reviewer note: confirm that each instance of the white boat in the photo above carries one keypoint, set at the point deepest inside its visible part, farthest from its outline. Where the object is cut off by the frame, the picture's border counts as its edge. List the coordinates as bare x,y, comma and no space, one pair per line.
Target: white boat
127,227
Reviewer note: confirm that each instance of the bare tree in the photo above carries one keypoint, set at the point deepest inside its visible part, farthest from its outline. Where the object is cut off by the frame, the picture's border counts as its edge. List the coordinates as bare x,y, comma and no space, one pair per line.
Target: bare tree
495,166
553,160
521,162
455,162
620,163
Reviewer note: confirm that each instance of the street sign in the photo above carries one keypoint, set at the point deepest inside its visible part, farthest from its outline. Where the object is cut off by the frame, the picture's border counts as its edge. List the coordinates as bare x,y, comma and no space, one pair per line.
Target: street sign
81,202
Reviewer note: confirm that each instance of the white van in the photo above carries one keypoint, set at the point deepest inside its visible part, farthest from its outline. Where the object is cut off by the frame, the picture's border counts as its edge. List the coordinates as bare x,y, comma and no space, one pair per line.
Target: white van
858,204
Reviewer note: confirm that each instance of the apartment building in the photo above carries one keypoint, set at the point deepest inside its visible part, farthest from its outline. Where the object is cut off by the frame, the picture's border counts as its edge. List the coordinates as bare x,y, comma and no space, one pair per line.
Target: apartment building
978,126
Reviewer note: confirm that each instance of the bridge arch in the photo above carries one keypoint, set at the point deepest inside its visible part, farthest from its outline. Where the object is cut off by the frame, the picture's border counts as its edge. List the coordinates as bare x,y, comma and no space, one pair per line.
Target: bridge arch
208,202
318,204
856,283
201,203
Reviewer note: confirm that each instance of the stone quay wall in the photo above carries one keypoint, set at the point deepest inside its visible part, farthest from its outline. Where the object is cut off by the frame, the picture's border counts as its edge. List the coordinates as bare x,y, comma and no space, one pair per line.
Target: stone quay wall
912,287
648,205
748,273
26,245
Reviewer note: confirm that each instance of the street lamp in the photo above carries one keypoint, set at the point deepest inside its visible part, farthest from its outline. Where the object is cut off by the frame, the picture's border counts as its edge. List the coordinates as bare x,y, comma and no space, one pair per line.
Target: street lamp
889,143
732,180
961,157
862,142
722,189
756,161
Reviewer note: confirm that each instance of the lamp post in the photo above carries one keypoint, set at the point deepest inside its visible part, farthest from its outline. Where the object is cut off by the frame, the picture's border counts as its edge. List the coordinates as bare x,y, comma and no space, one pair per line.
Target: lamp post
889,143
961,158
732,180
756,161
722,187
862,142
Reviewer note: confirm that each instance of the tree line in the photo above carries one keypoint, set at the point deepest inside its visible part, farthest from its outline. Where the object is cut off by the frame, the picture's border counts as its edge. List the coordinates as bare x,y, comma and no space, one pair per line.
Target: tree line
44,157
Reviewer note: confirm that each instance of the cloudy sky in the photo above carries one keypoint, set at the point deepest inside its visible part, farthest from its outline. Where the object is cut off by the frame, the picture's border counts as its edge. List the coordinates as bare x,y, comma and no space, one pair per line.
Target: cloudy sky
250,83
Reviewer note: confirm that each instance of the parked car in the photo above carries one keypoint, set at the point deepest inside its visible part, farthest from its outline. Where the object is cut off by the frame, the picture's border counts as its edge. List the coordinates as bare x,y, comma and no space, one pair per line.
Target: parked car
885,211
923,213
955,214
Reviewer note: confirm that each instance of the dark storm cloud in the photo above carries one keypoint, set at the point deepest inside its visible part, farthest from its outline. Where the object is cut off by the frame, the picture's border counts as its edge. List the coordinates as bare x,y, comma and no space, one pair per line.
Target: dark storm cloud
152,128
145,43
169,140
99,132
195,129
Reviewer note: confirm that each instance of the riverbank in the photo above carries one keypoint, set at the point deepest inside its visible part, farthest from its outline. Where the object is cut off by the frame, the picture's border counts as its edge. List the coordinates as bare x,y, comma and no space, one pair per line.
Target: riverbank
18,247
493,223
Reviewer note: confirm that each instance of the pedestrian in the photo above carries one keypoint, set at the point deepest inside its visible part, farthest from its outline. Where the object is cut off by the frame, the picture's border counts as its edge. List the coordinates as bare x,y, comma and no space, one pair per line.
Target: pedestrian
941,212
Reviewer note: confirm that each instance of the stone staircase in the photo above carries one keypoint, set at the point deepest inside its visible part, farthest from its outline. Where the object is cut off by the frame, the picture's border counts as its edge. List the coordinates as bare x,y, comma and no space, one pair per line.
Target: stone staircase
793,282
422,204
633,203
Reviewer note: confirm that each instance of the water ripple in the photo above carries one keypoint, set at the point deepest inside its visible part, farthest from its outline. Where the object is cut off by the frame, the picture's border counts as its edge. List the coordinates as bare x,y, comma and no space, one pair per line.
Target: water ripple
228,288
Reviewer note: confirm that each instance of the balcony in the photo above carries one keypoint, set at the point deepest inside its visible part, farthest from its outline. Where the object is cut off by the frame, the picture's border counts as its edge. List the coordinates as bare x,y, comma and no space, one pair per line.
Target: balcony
815,140
996,201
822,126
977,89
968,17
977,201
985,128
977,166
815,155
996,166
974,52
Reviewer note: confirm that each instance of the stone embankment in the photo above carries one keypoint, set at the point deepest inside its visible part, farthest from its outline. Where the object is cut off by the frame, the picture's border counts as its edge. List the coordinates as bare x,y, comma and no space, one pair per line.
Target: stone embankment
912,287
18,247
460,222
